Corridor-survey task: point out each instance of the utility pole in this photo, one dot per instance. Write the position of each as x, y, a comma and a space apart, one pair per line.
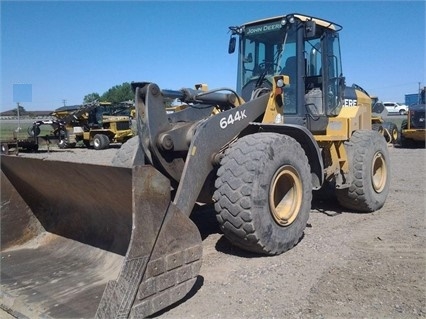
19, 119
18, 129
64, 101
420, 93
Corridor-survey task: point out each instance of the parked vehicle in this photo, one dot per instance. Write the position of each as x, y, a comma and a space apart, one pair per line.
393, 107
29, 144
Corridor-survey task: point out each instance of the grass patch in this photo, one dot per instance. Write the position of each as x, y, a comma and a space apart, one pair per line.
8, 129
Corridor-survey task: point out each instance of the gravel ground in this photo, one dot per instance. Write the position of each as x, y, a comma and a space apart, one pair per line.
346, 266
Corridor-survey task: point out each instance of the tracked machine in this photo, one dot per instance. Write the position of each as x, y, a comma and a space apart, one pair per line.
117, 241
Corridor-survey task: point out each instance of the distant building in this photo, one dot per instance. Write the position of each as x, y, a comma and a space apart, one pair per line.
11, 114
415, 98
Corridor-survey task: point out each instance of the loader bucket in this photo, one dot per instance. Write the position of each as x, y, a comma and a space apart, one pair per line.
91, 241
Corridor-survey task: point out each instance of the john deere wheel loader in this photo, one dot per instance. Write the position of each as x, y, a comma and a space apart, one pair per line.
117, 242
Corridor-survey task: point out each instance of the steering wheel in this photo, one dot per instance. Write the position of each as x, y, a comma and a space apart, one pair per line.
269, 67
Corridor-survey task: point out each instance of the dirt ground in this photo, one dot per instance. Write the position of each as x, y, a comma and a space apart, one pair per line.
347, 265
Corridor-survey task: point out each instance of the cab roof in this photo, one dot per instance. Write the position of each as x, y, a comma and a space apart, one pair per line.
324, 23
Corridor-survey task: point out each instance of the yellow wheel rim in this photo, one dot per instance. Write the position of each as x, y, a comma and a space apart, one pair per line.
379, 173
285, 196
394, 135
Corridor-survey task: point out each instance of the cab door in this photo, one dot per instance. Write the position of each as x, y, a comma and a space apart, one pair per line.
333, 79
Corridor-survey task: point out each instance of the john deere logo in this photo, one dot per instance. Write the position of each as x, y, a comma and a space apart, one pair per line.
263, 28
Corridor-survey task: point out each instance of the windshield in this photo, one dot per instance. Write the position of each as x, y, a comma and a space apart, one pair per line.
266, 50
311, 62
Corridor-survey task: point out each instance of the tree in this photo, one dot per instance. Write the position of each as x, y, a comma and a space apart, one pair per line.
118, 93
91, 97
22, 111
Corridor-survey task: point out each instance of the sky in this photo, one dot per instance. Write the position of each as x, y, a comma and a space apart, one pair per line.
64, 50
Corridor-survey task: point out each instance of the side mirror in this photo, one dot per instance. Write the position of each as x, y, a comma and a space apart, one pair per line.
231, 47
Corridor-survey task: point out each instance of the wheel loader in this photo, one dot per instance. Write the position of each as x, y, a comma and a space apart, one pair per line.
117, 241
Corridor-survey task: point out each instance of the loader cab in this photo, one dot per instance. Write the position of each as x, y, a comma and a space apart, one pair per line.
305, 49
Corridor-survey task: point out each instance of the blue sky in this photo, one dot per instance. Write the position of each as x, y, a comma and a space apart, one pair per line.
67, 49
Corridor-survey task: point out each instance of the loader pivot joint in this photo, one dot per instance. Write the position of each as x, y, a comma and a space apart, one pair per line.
155, 90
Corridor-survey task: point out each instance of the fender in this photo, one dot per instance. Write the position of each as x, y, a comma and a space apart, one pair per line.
308, 143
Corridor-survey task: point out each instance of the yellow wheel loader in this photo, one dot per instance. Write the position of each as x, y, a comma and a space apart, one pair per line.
85, 241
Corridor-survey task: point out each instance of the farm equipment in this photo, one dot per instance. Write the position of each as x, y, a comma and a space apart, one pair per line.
117, 241
389, 130
413, 128
15, 144
96, 124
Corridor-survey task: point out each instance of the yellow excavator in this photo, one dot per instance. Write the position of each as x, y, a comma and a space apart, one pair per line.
84, 241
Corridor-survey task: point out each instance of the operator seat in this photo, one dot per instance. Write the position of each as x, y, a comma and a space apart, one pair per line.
290, 69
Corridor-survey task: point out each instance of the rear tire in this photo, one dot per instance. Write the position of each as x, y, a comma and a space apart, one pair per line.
106, 141
391, 132
264, 193
62, 144
100, 142
368, 158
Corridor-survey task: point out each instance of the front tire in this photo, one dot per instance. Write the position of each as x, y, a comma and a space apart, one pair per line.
264, 193
368, 158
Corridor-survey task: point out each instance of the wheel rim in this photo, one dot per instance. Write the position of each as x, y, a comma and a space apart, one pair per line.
96, 142
379, 173
395, 134
285, 196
